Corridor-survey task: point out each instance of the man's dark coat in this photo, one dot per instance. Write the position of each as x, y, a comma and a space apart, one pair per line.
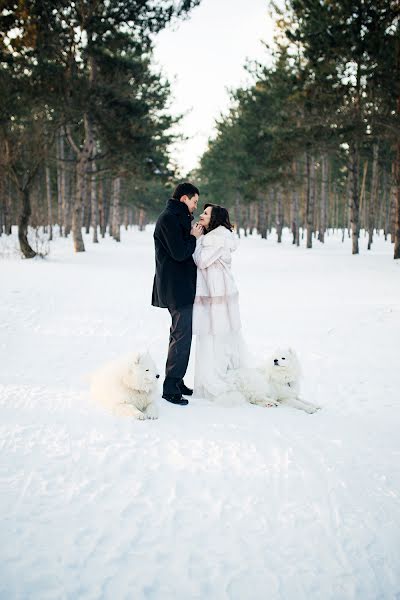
175, 278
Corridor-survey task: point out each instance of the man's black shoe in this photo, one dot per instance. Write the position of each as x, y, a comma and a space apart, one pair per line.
185, 390
175, 399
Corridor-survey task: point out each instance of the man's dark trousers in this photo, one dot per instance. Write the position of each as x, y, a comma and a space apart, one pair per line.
180, 340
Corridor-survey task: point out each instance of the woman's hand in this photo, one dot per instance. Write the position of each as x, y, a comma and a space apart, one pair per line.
197, 230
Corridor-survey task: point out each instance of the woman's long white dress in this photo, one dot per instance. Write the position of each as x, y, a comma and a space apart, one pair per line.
216, 318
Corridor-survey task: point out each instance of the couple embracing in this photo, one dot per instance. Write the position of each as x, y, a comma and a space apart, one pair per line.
194, 282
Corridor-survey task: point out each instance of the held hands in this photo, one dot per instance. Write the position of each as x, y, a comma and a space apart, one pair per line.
197, 230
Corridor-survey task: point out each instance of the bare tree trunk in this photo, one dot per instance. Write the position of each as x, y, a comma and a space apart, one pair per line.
392, 209
77, 209
83, 157
262, 217
110, 217
246, 220
142, 219
267, 219
331, 200
396, 253
258, 215
335, 224
294, 206
396, 182
116, 209
396, 170
61, 200
324, 198
23, 223
7, 218
317, 201
386, 188
355, 199
2, 200
295, 217
238, 211
33, 201
253, 217
381, 202
69, 193
363, 199
310, 198
279, 214
102, 208
49, 204
250, 218
87, 212
93, 199
373, 195
126, 217
347, 202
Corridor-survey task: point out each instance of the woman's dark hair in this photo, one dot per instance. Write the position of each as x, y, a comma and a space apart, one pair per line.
219, 216
185, 189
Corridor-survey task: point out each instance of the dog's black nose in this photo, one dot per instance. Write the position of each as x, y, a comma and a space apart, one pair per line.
275, 361
157, 376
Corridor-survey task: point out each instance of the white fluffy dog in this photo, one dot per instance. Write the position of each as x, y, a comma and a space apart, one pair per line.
282, 372
249, 384
127, 386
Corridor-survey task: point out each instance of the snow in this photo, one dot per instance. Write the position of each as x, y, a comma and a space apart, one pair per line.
208, 501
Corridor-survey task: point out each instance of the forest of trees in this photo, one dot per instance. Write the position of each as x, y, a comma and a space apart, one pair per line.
314, 143
84, 122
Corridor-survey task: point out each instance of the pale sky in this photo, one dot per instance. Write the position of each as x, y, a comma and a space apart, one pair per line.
202, 57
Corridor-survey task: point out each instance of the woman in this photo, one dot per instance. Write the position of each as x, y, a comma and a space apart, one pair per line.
216, 317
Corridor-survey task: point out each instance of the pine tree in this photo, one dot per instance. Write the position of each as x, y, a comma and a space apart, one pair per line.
86, 65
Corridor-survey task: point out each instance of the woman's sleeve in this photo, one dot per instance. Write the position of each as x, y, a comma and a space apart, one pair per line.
205, 255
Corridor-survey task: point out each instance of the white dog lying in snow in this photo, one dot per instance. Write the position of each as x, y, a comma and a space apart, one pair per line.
127, 386
277, 382
282, 371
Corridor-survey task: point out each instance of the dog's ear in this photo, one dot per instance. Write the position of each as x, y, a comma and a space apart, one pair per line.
136, 358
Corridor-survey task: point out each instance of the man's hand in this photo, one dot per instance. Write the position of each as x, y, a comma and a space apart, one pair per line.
197, 230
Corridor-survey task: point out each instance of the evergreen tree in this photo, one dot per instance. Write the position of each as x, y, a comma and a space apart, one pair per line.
91, 61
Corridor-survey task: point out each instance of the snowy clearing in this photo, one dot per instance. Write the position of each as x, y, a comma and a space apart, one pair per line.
207, 502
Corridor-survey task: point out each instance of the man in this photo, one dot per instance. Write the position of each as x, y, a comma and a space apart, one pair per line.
175, 283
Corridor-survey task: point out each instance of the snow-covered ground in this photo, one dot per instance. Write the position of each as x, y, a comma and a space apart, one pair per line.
207, 502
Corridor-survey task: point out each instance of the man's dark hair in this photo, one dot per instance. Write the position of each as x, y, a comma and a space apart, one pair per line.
185, 189
219, 216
